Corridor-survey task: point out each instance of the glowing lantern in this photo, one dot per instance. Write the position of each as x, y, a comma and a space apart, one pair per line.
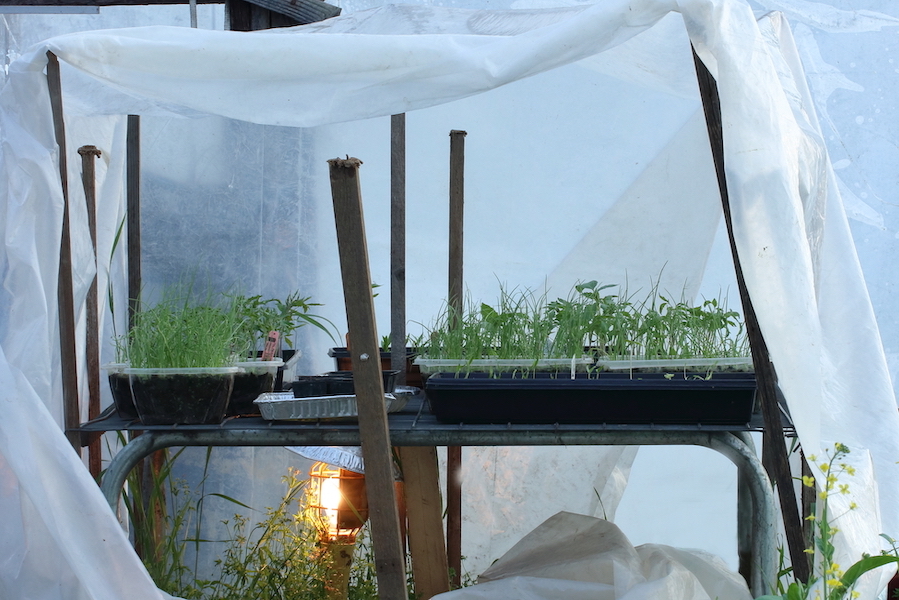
339, 496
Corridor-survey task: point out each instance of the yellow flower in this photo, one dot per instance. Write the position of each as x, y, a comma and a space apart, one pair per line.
844, 488
825, 467
822, 495
850, 470
855, 594
808, 481
812, 458
853, 506
834, 583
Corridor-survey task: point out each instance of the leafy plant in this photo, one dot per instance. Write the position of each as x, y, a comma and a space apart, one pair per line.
274, 314
829, 581
279, 557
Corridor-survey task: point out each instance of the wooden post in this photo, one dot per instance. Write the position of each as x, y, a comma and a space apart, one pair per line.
424, 508
456, 212
398, 246
65, 296
132, 201
373, 431
454, 298
766, 377
92, 355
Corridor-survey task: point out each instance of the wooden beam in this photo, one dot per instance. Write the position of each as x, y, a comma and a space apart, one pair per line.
65, 297
430, 571
89, 155
766, 377
373, 431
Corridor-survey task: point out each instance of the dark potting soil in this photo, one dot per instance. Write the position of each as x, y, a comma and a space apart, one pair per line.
182, 399
247, 387
120, 386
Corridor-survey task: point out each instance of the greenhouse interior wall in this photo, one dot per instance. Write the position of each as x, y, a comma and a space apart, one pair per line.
248, 207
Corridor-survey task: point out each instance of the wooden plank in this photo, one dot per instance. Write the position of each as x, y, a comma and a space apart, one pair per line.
373, 431
766, 377
423, 507
89, 155
64, 289
132, 207
454, 300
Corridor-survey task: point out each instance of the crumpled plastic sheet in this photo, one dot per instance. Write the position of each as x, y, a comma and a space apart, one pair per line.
577, 557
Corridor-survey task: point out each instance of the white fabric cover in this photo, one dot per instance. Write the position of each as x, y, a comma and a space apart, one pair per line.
791, 231
580, 557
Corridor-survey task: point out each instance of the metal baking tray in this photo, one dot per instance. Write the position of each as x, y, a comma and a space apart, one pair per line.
282, 406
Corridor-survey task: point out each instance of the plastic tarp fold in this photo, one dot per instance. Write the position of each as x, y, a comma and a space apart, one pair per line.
791, 231
576, 556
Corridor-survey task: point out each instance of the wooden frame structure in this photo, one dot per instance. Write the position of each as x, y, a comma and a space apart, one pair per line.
375, 437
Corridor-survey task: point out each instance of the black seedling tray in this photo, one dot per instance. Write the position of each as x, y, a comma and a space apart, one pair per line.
336, 383
615, 398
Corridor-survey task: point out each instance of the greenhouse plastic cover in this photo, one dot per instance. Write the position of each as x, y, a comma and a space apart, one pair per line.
580, 557
791, 230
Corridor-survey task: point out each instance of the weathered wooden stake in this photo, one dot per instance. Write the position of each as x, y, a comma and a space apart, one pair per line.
398, 246
454, 298
89, 155
65, 296
765, 375
424, 508
132, 208
373, 431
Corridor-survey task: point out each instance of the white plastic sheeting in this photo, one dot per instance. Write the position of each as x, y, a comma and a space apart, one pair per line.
580, 557
791, 229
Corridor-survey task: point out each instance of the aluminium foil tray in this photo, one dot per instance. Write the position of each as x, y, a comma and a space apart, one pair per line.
282, 406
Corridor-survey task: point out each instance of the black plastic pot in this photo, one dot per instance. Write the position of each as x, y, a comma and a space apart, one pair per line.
253, 378
344, 362
120, 386
336, 383
723, 399
165, 397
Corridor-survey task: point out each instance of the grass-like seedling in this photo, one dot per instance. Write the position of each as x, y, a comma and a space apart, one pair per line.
603, 321
183, 331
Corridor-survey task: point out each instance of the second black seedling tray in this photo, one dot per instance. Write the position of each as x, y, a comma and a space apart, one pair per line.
616, 398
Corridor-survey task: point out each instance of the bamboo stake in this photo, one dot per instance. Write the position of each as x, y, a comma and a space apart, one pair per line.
92, 354
373, 431
766, 377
